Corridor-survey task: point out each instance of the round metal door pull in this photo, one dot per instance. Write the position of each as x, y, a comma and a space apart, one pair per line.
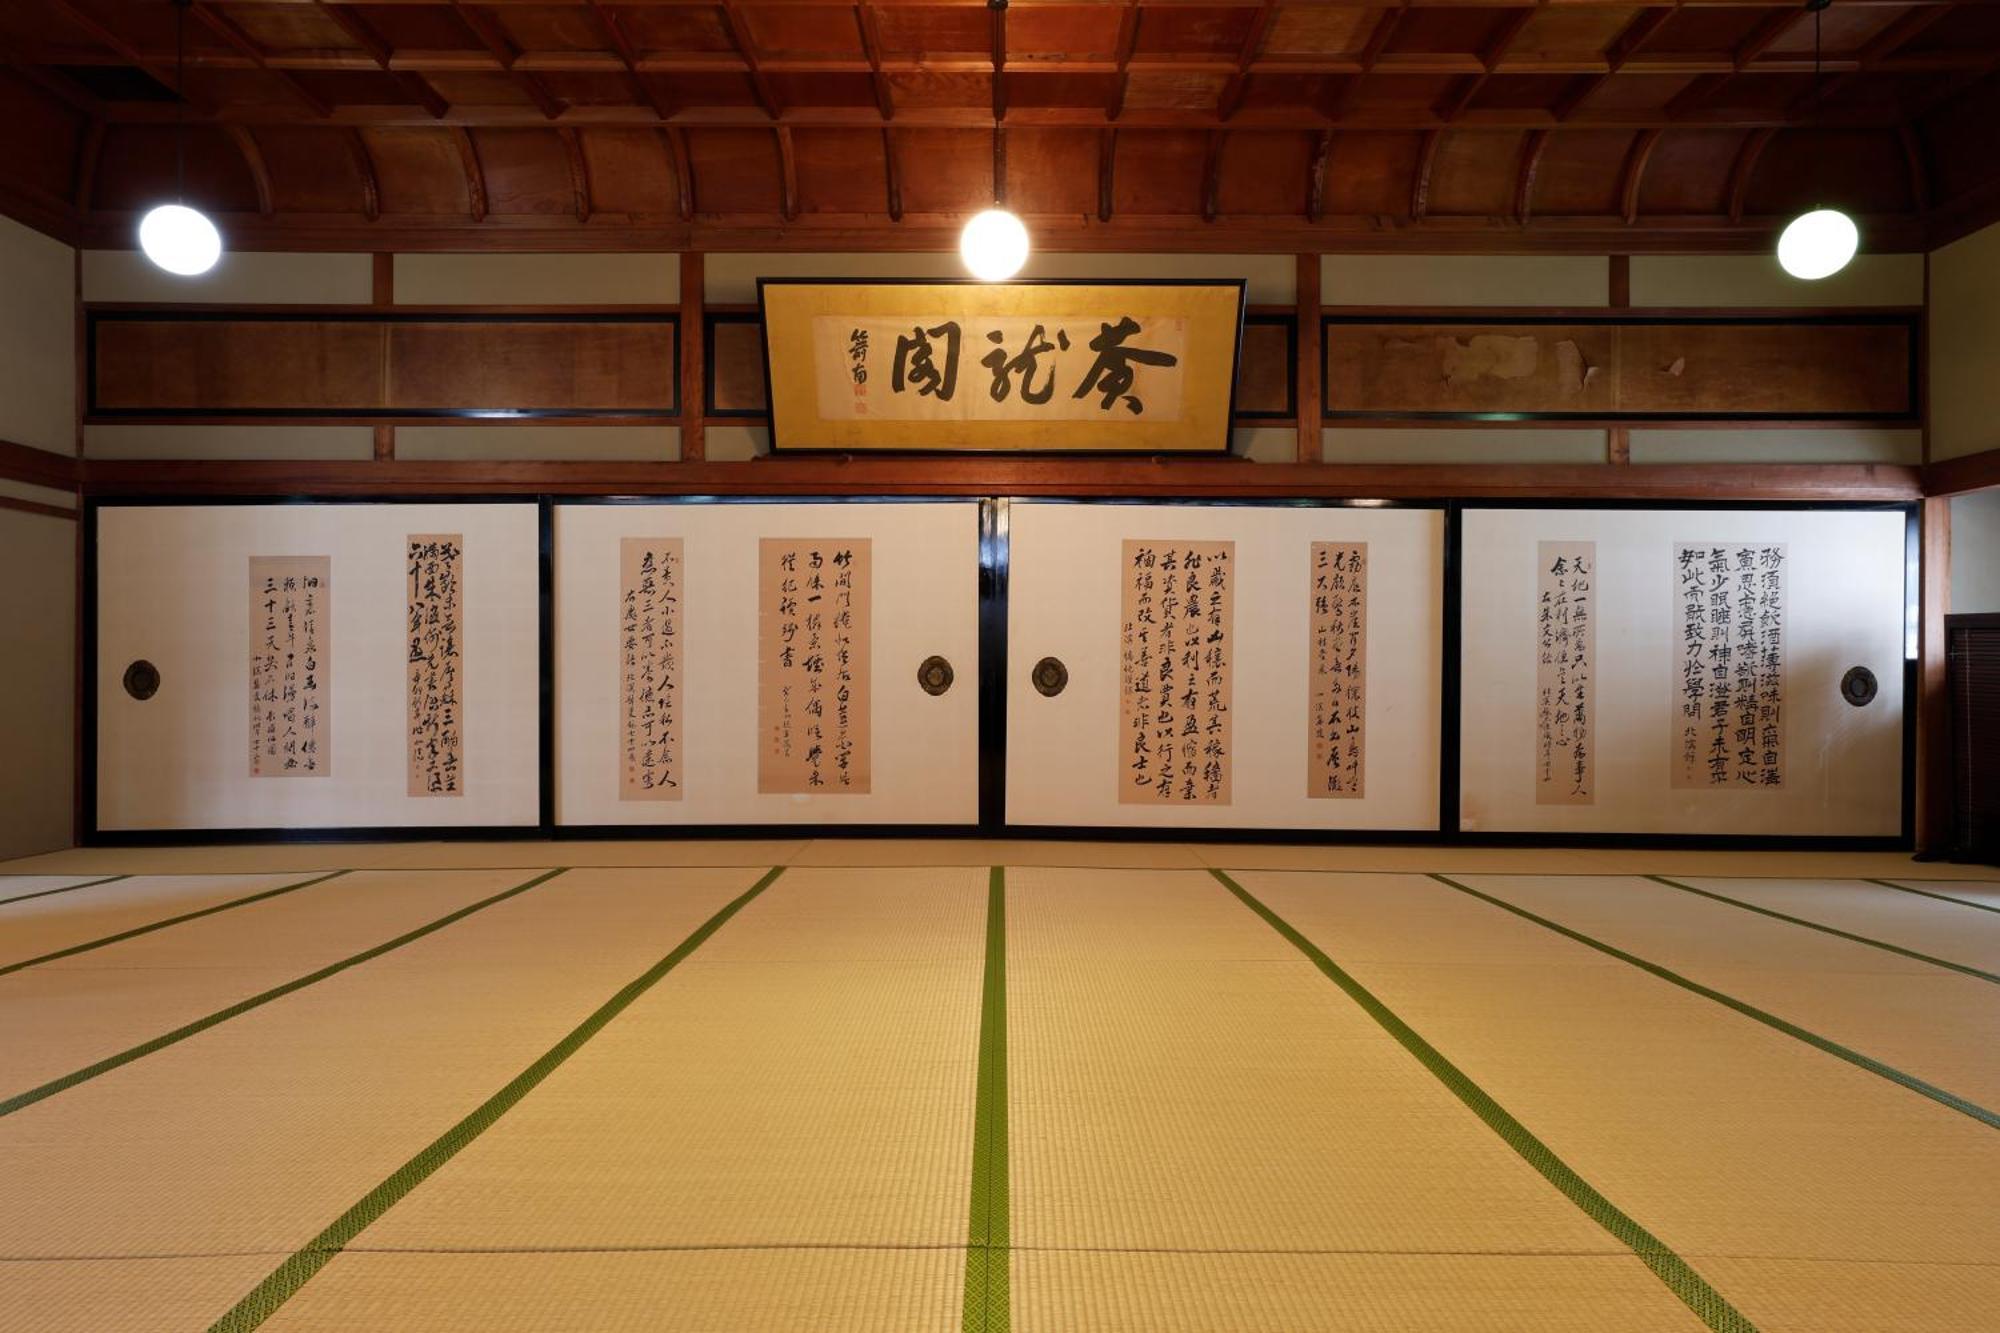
934, 675
142, 680
1050, 677
1858, 686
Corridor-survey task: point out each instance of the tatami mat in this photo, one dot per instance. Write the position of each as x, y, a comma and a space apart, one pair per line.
69, 1012
1724, 1136
1912, 921
803, 1082
144, 1294
1983, 892
717, 1291
63, 920
1860, 1297
254, 1134
1065, 1291
1942, 1026
1183, 1080
13, 888
503, 855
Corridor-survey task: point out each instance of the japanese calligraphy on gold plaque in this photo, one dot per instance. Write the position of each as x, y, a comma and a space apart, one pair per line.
291, 637
436, 569
1565, 673
813, 676
1176, 653
1138, 368
652, 577
1729, 674
1337, 667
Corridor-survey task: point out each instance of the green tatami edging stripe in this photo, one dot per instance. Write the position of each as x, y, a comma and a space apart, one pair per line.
1828, 930
1708, 1304
264, 1299
12, 1104
1941, 897
987, 1308
67, 888
1951, 1099
152, 926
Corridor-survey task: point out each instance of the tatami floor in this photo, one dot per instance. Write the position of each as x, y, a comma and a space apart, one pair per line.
954, 1085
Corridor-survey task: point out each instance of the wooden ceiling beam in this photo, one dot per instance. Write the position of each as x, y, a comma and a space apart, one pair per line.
1634, 174
871, 48
220, 24
892, 174
628, 56
1253, 46
788, 175
383, 55
1322, 156
1107, 172
1456, 101
1420, 179
579, 172
683, 173
739, 37
1128, 38
364, 167
253, 161
84, 182
1532, 149
1644, 26
997, 9
475, 173
1211, 175
163, 74
504, 51
1744, 167
1379, 37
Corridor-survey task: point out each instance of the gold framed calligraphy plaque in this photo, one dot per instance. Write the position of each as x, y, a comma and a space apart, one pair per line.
974, 367
814, 608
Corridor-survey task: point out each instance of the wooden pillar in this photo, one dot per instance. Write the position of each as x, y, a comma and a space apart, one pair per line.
1933, 703
1307, 372
694, 398
1618, 439
384, 294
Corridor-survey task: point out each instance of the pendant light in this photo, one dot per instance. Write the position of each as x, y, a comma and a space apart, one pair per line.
1819, 243
180, 239
994, 244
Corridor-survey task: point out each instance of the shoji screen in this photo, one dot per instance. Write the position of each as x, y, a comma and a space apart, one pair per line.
1320, 599
682, 698
359, 721
1714, 647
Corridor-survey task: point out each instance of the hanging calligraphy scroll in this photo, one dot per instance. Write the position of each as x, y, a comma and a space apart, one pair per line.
1177, 601
1565, 673
813, 678
291, 635
1108, 367
651, 604
1729, 678
1338, 670
436, 568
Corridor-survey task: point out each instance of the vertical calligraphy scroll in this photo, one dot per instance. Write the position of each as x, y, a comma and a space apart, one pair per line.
1175, 672
291, 637
1729, 680
1337, 667
652, 575
435, 564
1566, 673
813, 678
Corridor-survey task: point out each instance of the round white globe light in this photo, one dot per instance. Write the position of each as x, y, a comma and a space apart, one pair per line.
180, 240
1818, 244
994, 245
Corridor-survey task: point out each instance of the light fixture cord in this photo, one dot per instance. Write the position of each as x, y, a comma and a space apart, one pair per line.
180, 100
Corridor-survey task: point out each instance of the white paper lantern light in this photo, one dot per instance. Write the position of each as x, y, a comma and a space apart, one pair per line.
994, 245
1818, 244
180, 240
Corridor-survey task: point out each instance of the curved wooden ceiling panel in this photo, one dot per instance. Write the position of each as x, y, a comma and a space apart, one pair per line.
1598, 124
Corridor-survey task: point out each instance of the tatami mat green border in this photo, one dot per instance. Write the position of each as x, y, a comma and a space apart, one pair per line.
1941, 897
263, 1300
12, 1104
152, 926
1963, 1105
67, 888
987, 1305
1708, 1304
1825, 929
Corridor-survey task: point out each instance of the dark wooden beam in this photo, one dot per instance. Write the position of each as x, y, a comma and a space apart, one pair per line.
1634, 174
1933, 703
871, 49
1231, 97
382, 54
1128, 37
1107, 173
739, 37
1744, 168
693, 340
225, 27
37, 467
997, 9
788, 176
579, 171
1969, 472
475, 174
1309, 369
1640, 30
1211, 176
163, 73
496, 41
1420, 180
892, 173
683, 173
87, 154
253, 161
1530, 163
1007, 475
1316, 176
364, 166
642, 88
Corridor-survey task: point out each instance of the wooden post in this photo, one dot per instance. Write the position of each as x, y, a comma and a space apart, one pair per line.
1618, 439
1933, 703
1308, 373
694, 398
384, 295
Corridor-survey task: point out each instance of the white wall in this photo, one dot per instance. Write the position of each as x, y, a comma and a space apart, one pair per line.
1975, 552
37, 551
1965, 346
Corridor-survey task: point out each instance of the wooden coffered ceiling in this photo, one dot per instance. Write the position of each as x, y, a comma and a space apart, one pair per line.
1259, 124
